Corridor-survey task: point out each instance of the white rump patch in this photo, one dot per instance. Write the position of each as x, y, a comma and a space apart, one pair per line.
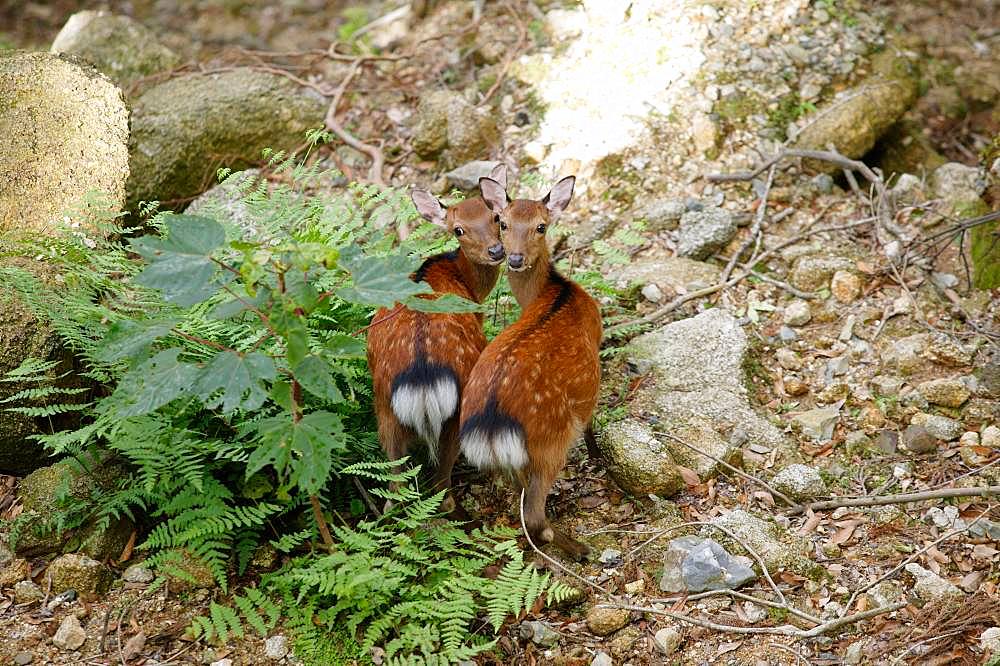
504, 449
425, 408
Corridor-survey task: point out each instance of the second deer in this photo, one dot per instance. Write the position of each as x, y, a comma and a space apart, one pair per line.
420, 361
535, 386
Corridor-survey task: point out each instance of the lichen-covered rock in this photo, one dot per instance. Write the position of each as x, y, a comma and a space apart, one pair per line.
704, 232
673, 273
638, 461
179, 124
65, 135
800, 482
26, 592
13, 571
818, 424
797, 313
946, 392
959, 187
779, 548
604, 621
79, 572
663, 214
916, 439
466, 177
929, 586
116, 45
941, 427
450, 128
857, 117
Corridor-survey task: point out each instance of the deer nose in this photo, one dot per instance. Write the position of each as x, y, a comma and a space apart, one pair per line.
495, 252
515, 260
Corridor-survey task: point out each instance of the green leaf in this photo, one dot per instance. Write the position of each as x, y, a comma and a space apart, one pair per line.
342, 345
443, 303
301, 452
180, 264
129, 339
301, 291
313, 373
379, 281
297, 339
154, 383
240, 378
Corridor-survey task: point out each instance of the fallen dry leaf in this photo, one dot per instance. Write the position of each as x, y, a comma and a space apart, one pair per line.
689, 475
846, 531
134, 646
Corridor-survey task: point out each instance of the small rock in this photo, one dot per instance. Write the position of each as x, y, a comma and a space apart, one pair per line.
538, 633
15, 570
778, 547
818, 424
702, 233
276, 647
466, 177
969, 439
70, 635
80, 573
908, 190
695, 564
602, 659
138, 573
854, 653
788, 359
222, 662
800, 482
847, 331
652, 293
989, 640
946, 392
917, 439
886, 385
449, 126
845, 286
663, 214
610, 556
795, 386
905, 354
946, 517
941, 427
636, 586
26, 592
814, 271
667, 640
797, 313
973, 456
823, 183
929, 586
23, 658
604, 621
786, 334
990, 436
887, 441
942, 349
886, 593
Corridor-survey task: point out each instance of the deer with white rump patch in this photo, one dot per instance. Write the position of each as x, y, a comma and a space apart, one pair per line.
420, 361
535, 386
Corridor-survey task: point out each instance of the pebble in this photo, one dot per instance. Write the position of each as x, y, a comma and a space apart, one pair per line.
276, 647
887, 441
798, 313
929, 586
610, 556
652, 293
539, 633
800, 482
989, 640
70, 635
604, 621
667, 640
886, 385
854, 653
26, 592
602, 659
636, 586
969, 439
990, 436
786, 334
818, 424
795, 386
788, 359
222, 662
23, 658
138, 573
917, 439
845, 286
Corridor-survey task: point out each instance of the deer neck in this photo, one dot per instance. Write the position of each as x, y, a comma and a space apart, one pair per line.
526, 285
479, 278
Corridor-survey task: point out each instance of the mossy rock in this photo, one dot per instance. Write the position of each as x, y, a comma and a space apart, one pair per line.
183, 130
906, 149
985, 252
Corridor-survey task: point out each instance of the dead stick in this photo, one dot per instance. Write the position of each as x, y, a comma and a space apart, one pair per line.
882, 500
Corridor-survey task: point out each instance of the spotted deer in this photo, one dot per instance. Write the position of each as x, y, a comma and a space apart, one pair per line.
420, 361
534, 388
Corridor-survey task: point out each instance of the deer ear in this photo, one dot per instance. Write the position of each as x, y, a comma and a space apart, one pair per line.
429, 207
558, 198
493, 194
499, 174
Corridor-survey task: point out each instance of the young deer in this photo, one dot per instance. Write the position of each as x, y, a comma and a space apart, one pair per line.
420, 361
534, 388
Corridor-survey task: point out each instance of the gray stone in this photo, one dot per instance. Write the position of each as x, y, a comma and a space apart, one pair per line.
695, 564
116, 45
466, 177
800, 482
786, 334
886, 385
23, 658
907, 190
276, 647
814, 271
601, 659
798, 313
65, 130
610, 556
222, 662
818, 424
652, 293
990, 437
70, 635
225, 203
989, 640
778, 547
640, 463
667, 640
788, 359
957, 184
604, 621
929, 586
916, 439
905, 355
854, 653
703, 233
80, 573
447, 126
138, 573
236, 114
823, 182
941, 427
886, 593
538, 633
946, 392
663, 214
26, 592
672, 273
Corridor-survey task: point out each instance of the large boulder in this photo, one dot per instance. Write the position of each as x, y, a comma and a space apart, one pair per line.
695, 392
118, 46
183, 130
65, 135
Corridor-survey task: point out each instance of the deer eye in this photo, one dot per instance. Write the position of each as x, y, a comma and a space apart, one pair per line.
540, 228
459, 232
503, 226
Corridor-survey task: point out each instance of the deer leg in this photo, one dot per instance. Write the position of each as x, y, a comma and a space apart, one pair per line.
591, 440
448, 448
539, 528
395, 439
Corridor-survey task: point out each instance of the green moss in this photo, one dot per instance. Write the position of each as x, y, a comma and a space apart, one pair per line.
789, 109
985, 251
623, 183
